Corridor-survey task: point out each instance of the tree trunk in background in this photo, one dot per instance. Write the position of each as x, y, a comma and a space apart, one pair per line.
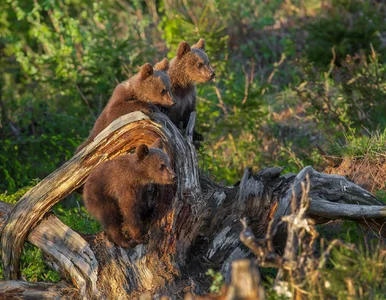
198, 227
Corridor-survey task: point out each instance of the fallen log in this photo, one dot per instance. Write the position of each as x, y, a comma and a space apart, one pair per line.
199, 228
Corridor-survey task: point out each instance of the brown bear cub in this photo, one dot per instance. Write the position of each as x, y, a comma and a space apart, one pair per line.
113, 192
190, 66
140, 92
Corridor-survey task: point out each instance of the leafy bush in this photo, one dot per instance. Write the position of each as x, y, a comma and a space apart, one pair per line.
345, 99
61, 64
363, 86
32, 156
77, 218
33, 267
361, 272
348, 26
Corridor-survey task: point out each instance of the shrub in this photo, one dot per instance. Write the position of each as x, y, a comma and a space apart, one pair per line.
350, 26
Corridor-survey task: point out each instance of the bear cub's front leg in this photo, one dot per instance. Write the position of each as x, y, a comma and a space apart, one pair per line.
132, 222
113, 192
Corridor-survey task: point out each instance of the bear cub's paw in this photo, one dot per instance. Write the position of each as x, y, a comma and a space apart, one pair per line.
143, 239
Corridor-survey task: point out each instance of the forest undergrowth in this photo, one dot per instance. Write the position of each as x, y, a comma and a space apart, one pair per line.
297, 83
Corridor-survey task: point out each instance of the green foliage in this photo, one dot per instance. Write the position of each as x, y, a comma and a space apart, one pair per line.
236, 133
347, 103
381, 195
364, 89
239, 98
218, 281
13, 198
77, 218
32, 156
362, 272
61, 62
32, 266
348, 26
350, 271
371, 146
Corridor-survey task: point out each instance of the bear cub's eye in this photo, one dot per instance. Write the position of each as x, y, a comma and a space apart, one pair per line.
162, 167
163, 92
200, 65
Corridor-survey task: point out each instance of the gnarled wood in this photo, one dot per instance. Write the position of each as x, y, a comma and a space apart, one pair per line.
199, 227
39, 290
66, 252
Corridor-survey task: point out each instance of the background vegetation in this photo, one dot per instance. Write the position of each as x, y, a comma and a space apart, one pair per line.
290, 75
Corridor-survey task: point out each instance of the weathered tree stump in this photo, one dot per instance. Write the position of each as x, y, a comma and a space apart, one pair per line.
199, 228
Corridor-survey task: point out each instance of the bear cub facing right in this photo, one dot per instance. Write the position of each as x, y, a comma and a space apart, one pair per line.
113, 192
139, 93
191, 66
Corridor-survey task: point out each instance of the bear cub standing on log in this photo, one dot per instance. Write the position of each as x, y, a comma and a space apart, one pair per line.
140, 92
190, 66
113, 192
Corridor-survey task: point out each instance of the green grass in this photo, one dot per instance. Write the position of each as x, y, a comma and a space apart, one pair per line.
359, 273
33, 267
12, 198
372, 146
77, 218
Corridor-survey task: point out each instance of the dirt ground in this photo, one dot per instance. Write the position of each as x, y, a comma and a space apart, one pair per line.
368, 173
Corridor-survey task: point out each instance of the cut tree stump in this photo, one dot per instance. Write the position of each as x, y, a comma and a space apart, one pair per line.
199, 228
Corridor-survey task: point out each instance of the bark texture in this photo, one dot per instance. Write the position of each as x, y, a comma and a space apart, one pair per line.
198, 229
25, 290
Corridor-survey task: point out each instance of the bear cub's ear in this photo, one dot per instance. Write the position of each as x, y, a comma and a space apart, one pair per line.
142, 151
163, 65
157, 144
146, 71
200, 44
182, 49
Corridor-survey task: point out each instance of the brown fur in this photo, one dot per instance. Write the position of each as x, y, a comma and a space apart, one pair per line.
113, 192
190, 66
163, 65
140, 92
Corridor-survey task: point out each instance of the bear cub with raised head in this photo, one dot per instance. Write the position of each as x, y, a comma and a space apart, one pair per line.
141, 92
190, 67
113, 192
